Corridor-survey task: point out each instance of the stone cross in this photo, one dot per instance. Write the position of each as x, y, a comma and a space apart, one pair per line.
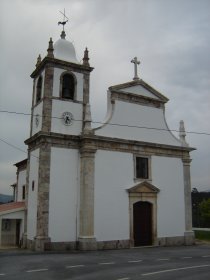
136, 62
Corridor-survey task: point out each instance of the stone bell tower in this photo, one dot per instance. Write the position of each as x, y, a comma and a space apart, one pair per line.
60, 114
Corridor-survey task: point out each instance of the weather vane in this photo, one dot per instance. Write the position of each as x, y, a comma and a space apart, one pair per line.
65, 19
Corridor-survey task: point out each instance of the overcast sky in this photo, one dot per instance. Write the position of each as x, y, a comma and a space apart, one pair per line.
171, 39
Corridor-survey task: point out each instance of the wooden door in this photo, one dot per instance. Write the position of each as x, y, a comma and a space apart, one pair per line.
17, 232
142, 223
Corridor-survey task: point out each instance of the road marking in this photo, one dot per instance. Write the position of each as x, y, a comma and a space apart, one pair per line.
107, 263
175, 269
135, 261
208, 256
162, 259
186, 258
73, 266
37, 270
2, 274
123, 279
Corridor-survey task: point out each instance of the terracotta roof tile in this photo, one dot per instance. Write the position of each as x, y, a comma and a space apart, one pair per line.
11, 206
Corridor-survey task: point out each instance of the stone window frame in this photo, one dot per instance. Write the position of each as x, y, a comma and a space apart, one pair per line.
136, 179
39, 86
61, 86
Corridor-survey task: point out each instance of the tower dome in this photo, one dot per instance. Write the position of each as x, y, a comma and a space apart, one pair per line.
64, 50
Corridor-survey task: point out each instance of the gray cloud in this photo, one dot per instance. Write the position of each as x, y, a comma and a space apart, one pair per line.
171, 38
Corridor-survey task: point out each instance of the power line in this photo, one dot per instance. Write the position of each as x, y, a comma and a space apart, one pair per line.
15, 147
114, 124
152, 128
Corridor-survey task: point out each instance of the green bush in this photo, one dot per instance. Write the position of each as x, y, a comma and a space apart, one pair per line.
204, 208
202, 235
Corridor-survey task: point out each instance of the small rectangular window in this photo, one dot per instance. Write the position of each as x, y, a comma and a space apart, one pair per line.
32, 186
23, 192
142, 168
6, 225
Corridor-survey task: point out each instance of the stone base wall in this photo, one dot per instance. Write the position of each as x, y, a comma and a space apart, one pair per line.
112, 244
61, 246
30, 244
176, 240
72, 246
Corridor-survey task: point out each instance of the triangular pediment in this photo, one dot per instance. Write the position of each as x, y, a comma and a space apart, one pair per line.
143, 187
139, 88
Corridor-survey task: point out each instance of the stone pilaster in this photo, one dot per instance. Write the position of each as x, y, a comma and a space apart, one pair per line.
86, 88
24, 237
189, 234
43, 198
47, 101
32, 110
86, 95
86, 231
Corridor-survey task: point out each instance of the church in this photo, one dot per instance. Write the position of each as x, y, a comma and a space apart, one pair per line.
123, 184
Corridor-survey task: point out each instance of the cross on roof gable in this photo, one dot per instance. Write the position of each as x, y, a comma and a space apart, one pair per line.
140, 88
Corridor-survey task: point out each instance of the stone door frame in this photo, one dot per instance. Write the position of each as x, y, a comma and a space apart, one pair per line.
144, 192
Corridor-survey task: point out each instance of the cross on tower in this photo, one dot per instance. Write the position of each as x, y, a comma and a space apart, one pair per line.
136, 62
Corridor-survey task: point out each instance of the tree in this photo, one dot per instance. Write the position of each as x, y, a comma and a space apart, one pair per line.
204, 208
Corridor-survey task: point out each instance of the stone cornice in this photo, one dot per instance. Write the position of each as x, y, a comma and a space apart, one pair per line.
142, 83
95, 142
21, 164
53, 139
186, 161
137, 99
53, 62
136, 147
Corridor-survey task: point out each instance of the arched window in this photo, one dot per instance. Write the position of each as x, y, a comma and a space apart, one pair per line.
68, 86
39, 89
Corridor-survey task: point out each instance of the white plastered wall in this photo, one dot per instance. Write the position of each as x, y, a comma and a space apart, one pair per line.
143, 117
139, 90
37, 111
21, 182
167, 175
32, 195
113, 175
64, 192
58, 108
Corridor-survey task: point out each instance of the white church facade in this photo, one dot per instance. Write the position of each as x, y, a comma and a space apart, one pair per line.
123, 184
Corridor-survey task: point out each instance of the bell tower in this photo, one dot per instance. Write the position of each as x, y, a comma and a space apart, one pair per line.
60, 114
61, 90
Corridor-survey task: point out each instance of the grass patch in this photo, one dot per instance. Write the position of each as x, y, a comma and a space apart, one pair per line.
202, 235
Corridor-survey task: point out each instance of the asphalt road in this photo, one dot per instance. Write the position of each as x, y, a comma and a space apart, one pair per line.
153, 263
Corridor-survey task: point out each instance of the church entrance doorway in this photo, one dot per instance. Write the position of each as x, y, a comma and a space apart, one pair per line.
142, 223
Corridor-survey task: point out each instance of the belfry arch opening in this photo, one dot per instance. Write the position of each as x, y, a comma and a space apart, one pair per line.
68, 86
39, 89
